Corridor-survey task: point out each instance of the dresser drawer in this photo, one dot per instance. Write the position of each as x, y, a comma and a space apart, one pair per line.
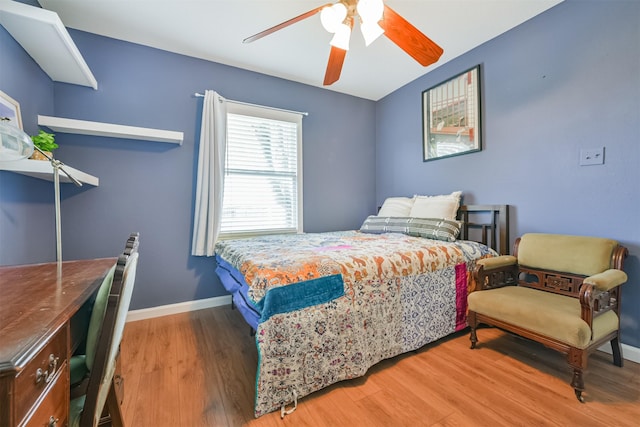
52, 410
39, 374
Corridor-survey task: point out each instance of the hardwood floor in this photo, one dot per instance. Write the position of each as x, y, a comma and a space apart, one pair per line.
198, 369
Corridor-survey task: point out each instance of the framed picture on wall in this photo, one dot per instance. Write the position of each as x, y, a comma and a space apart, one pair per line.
10, 111
451, 122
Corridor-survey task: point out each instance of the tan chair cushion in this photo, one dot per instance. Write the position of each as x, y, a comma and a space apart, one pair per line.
552, 315
571, 254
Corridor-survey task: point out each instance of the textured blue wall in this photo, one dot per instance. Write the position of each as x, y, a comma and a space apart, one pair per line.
148, 186
566, 80
27, 226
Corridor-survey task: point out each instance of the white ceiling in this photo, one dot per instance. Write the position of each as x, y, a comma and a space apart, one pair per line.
214, 30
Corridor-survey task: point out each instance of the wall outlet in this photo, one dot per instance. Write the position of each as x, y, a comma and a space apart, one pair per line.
591, 156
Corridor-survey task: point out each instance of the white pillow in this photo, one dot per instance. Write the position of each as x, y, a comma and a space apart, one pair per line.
444, 206
396, 206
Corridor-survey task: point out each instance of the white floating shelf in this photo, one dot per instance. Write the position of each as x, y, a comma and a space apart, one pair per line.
42, 35
83, 127
42, 169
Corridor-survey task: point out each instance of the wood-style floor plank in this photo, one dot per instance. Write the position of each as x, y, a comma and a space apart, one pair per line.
198, 369
137, 333
194, 391
159, 378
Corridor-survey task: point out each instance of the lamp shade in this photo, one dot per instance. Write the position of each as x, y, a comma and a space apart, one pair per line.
14, 143
332, 16
341, 37
370, 10
371, 31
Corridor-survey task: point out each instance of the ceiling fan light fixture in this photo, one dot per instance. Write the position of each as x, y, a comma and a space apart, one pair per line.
332, 16
370, 10
370, 31
341, 37
376, 18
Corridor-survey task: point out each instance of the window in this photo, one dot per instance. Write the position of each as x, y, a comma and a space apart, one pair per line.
263, 172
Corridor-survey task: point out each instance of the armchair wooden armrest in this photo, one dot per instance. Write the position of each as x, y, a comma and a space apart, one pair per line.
600, 293
491, 273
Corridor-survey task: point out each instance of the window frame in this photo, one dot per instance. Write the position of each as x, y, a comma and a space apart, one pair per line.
279, 115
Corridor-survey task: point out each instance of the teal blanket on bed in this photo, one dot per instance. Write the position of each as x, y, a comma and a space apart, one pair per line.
293, 297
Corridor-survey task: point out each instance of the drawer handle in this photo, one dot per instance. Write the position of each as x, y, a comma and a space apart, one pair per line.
47, 375
53, 422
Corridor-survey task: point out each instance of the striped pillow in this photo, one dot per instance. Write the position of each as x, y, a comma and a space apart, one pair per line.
431, 228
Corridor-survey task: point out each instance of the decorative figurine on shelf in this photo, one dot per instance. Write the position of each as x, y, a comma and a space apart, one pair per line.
45, 142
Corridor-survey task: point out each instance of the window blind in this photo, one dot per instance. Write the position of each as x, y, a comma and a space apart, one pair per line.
263, 182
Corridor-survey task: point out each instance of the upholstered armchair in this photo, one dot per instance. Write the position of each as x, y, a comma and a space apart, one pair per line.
562, 291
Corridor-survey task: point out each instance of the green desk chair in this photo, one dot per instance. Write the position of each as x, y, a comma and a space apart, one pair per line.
92, 374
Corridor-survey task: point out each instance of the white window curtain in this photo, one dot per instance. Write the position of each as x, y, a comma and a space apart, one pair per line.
210, 180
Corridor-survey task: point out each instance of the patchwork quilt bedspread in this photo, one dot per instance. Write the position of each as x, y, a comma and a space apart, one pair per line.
327, 306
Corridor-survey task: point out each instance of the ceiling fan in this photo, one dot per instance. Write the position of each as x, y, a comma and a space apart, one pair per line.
376, 18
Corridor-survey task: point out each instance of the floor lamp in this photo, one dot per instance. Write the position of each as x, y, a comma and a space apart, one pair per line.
16, 145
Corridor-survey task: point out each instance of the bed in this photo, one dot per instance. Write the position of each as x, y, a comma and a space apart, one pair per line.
327, 306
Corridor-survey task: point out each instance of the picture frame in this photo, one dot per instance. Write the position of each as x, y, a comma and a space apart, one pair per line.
10, 111
451, 117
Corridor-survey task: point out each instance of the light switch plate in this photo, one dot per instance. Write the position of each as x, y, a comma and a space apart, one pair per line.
591, 156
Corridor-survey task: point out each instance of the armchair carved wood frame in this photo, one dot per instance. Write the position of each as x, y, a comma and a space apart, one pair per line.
561, 291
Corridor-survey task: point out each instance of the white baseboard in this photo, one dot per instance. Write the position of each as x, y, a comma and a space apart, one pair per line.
182, 307
628, 352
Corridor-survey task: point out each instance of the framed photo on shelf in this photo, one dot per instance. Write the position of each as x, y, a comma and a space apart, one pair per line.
10, 111
451, 122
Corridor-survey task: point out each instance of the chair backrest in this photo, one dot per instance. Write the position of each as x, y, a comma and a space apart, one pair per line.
97, 318
572, 254
103, 359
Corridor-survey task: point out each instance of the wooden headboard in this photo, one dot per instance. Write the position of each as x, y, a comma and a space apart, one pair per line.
489, 222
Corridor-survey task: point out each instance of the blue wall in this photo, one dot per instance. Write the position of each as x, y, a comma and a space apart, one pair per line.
566, 80
149, 186
27, 225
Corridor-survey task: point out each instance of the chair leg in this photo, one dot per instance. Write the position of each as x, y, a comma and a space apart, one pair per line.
473, 323
577, 383
473, 337
114, 407
578, 361
616, 349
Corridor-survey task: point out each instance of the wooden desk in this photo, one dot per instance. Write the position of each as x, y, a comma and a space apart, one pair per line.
37, 303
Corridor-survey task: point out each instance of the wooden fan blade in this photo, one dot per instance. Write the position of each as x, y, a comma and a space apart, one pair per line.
409, 38
334, 66
284, 24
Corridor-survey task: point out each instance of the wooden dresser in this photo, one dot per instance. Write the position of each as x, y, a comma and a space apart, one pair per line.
37, 307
